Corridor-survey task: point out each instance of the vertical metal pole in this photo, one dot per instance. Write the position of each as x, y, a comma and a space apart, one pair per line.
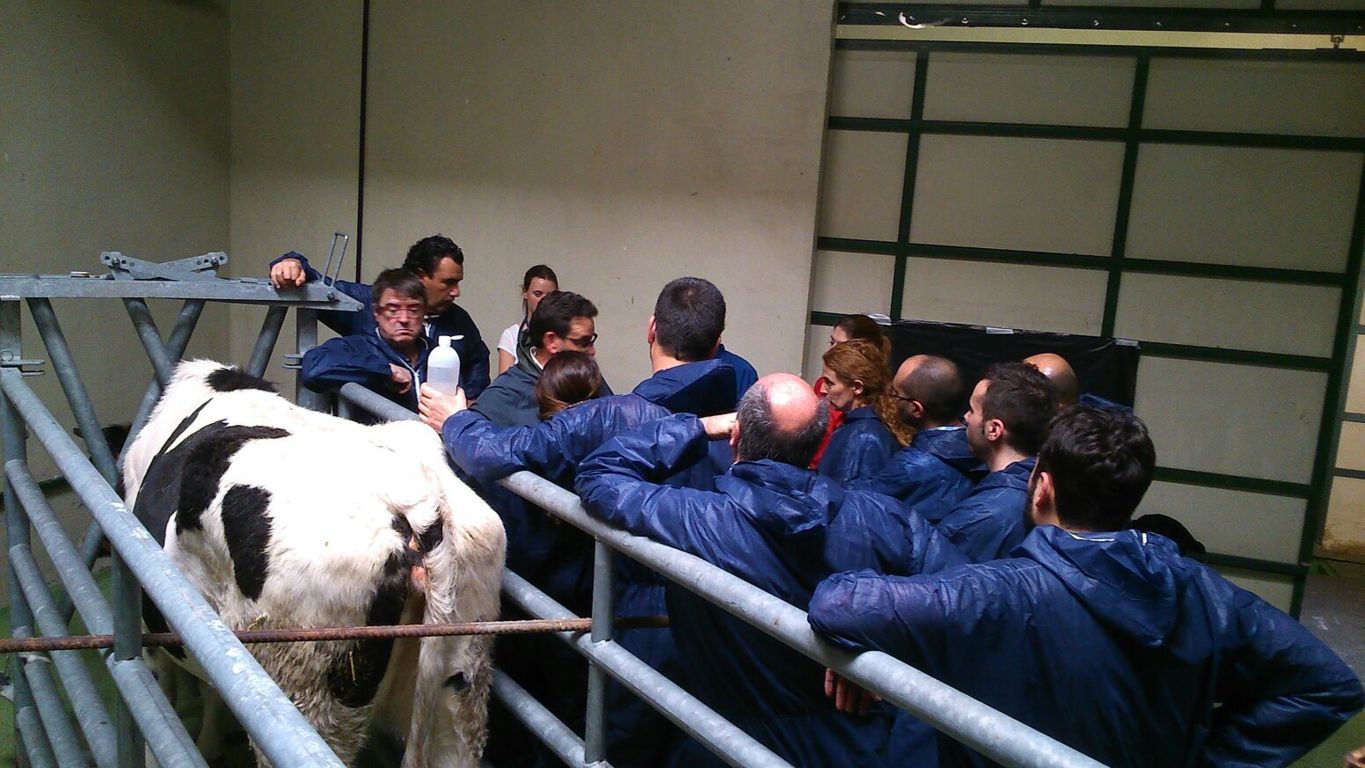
127, 605
16, 523
265, 340
307, 334
595, 730
76, 395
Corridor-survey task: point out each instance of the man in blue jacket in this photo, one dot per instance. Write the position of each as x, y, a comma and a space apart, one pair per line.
391, 358
934, 472
562, 321
1007, 419
780, 527
1103, 638
436, 261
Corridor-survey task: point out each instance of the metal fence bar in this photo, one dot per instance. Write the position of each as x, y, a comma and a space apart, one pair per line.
306, 334
76, 395
162, 363
31, 736
66, 745
165, 735
691, 715
90, 711
559, 737
16, 531
127, 604
279, 730
75, 576
595, 728
266, 339
376, 404
994, 734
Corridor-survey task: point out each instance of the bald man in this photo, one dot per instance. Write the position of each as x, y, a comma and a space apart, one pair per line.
782, 528
937, 469
1063, 378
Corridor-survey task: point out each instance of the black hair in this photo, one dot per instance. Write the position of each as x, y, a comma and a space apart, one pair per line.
761, 438
541, 271
937, 384
1101, 463
555, 313
1022, 397
689, 317
400, 281
426, 254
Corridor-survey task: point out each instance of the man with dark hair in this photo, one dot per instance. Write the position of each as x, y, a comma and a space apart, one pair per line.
683, 333
1103, 638
391, 359
439, 264
934, 472
779, 526
1007, 419
562, 321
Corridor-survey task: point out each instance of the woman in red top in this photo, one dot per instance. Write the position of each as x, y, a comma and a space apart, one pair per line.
850, 328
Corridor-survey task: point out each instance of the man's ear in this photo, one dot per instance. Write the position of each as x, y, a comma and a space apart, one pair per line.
734, 440
551, 343
1042, 505
994, 429
916, 410
650, 334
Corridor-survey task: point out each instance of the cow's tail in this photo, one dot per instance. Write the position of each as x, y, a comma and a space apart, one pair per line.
464, 576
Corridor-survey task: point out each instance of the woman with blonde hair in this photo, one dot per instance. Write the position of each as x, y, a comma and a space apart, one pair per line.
858, 384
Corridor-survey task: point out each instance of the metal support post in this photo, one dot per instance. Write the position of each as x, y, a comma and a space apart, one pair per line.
595, 730
127, 605
265, 340
145, 324
76, 395
307, 334
16, 524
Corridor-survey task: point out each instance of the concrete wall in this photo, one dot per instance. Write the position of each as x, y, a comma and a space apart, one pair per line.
114, 137
623, 144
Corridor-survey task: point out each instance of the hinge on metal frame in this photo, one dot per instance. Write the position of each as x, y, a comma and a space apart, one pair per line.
27, 366
292, 361
202, 267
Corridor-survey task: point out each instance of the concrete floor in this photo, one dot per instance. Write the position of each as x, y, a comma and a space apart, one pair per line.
1334, 611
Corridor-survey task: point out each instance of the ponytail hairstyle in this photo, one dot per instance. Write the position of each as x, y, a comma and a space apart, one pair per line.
864, 361
569, 377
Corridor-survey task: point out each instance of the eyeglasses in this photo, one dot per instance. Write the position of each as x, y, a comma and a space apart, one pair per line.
582, 342
407, 310
899, 396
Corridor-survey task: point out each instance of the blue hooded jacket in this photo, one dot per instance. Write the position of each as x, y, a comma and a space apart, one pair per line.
745, 375
991, 521
453, 322
930, 474
858, 449
1111, 643
781, 528
362, 359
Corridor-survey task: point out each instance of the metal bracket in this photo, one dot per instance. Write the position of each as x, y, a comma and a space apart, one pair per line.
202, 267
292, 361
27, 366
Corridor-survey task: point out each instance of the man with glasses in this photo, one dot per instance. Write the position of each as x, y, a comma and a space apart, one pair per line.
562, 321
390, 359
438, 263
936, 470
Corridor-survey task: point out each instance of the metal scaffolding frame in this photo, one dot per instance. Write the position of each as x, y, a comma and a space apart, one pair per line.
46, 734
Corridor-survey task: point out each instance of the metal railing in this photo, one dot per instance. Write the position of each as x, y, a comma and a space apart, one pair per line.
82, 730
988, 731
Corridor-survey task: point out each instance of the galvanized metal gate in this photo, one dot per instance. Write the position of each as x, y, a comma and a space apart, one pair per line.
46, 732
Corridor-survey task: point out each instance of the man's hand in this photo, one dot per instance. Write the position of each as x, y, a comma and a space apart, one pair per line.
718, 427
400, 378
848, 697
435, 408
288, 273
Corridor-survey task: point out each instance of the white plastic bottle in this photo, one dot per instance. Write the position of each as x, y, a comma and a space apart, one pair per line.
443, 367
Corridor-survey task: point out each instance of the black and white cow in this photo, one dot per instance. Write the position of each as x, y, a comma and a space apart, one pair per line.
284, 518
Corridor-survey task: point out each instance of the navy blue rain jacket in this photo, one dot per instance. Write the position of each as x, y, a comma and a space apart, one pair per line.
781, 528
929, 475
993, 519
362, 359
453, 322
858, 449
745, 375
1111, 643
